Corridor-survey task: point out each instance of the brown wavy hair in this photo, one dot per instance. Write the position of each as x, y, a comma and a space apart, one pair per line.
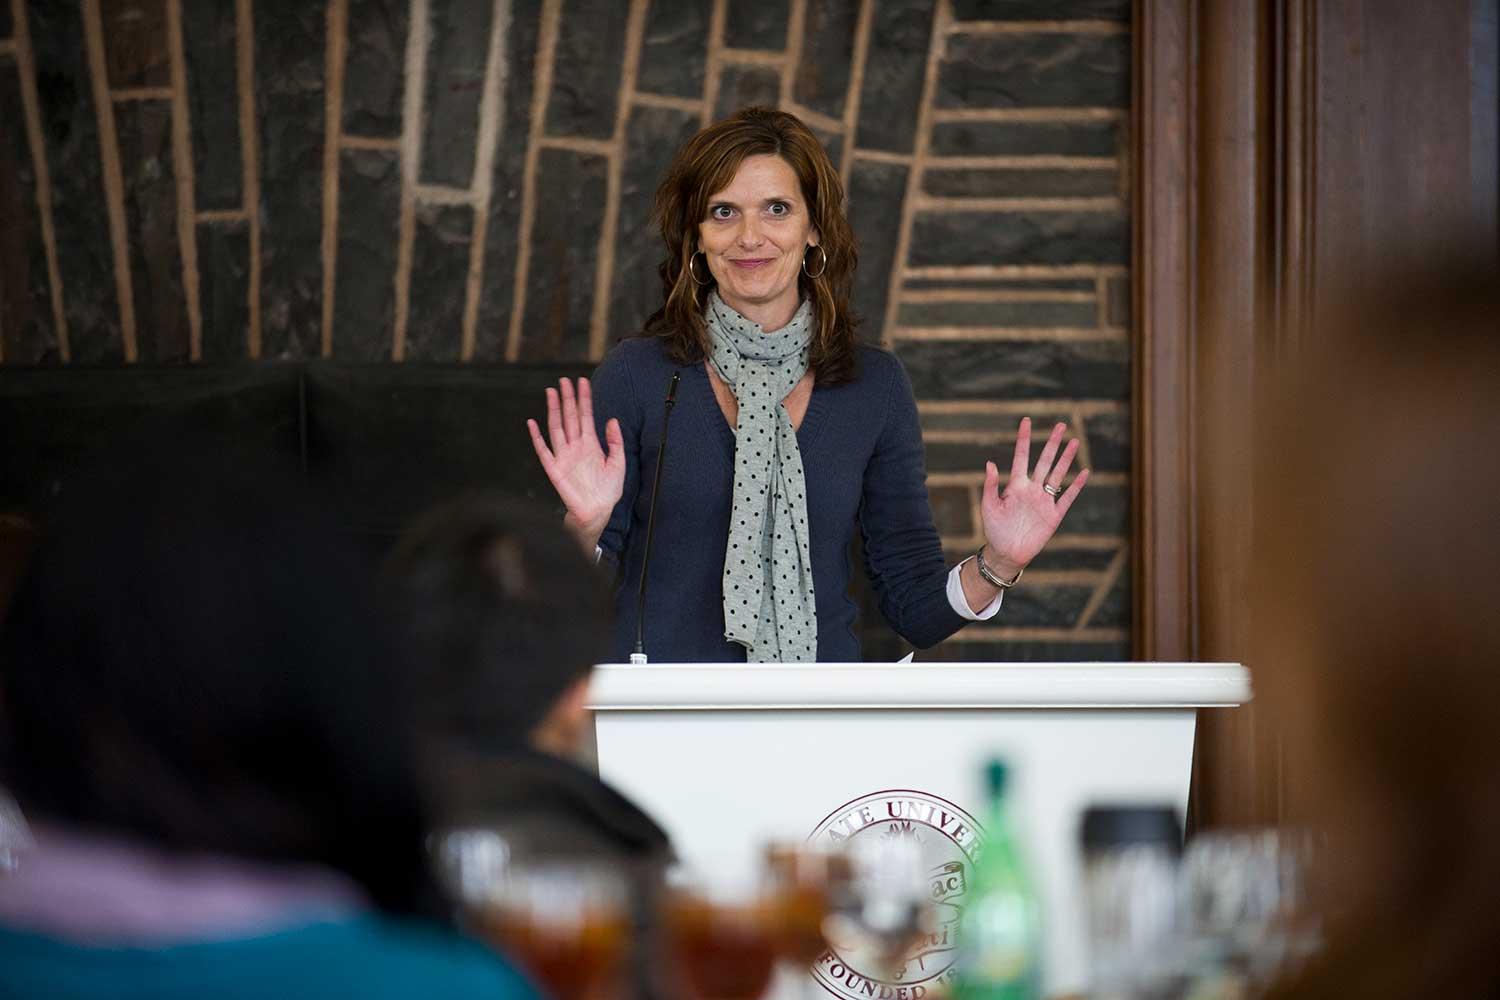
707, 163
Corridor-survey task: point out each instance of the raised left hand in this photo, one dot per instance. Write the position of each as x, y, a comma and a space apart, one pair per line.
1020, 521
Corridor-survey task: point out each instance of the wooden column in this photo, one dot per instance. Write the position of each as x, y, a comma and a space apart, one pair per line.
1283, 151
1205, 225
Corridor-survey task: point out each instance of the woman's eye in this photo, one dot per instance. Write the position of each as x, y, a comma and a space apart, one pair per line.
779, 208
720, 212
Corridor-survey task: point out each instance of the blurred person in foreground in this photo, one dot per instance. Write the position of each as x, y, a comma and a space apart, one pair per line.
1379, 641
199, 718
502, 620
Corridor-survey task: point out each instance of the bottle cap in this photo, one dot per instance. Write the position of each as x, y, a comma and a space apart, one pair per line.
996, 773
1106, 827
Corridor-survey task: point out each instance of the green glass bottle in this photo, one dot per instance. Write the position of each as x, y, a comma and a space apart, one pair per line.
1000, 932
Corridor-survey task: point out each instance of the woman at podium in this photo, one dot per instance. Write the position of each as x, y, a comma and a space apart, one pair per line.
782, 434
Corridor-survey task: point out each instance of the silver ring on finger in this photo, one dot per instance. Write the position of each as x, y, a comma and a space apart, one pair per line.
1053, 491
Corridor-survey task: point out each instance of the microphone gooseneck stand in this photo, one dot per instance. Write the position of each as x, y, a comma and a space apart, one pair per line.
638, 656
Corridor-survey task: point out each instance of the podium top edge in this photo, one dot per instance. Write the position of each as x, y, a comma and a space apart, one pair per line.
704, 686
929, 666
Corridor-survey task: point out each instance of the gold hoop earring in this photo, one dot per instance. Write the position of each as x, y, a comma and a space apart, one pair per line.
818, 247
694, 274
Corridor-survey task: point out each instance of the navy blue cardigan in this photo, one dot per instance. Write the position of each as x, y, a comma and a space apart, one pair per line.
863, 459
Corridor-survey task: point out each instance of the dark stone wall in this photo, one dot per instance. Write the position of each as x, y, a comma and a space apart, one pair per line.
394, 181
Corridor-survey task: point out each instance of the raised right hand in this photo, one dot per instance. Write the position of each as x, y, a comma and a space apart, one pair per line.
588, 481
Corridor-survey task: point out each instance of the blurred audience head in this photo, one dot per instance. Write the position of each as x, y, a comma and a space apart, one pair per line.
501, 618
191, 661
1379, 640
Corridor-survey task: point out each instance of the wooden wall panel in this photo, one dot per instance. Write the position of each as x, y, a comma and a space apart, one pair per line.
1284, 151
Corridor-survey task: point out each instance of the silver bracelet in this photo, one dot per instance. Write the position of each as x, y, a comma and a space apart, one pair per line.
989, 574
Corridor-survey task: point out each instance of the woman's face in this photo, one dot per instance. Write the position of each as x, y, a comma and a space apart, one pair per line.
754, 236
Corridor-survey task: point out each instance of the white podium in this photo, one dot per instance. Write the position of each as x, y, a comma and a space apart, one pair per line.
727, 757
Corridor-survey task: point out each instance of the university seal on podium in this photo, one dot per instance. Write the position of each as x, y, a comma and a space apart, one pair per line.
947, 839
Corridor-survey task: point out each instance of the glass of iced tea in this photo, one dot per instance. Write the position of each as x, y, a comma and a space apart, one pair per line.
567, 925
566, 922
804, 886
721, 935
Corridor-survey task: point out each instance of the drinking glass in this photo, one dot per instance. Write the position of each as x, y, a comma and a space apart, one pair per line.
566, 922
1245, 906
804, 886
722, 934
887, 910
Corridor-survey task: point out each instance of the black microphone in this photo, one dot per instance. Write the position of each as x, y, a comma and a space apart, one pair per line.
639, 655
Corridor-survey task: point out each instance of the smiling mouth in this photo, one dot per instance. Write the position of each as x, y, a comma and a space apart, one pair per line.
749, 263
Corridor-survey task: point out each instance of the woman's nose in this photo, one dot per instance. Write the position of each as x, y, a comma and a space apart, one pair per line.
749, 233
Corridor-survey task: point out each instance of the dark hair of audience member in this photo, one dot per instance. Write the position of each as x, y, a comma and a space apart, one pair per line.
1379, 641
192, 661
500, 614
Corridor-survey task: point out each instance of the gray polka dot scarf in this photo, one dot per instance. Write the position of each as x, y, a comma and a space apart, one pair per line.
768, 584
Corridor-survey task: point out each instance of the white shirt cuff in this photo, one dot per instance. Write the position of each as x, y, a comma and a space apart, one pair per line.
961, 603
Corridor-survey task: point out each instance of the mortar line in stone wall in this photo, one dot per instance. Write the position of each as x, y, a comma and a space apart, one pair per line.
1023, 163
125, 95
114, 180
575, 144
974, 497
712, 64
691, 105
942, 15
182, 168
1090, 578
491, 111
941, 295
541, 88
813, 119
1003, 433
994, 407
796, 29
31, 112
244, 37
1078, 426
932, 204
1080, 27
983, 272
1087, 542
372, 142
604, 270
1106, 584
1058, 115
411, 163
979, 633
977, 476
333, 116
220, 215
442, 194
1072, 543
752, 57
882, 156
862, 25
1069, 334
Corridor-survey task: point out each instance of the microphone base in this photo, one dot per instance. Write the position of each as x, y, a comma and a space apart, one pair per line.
638, 659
